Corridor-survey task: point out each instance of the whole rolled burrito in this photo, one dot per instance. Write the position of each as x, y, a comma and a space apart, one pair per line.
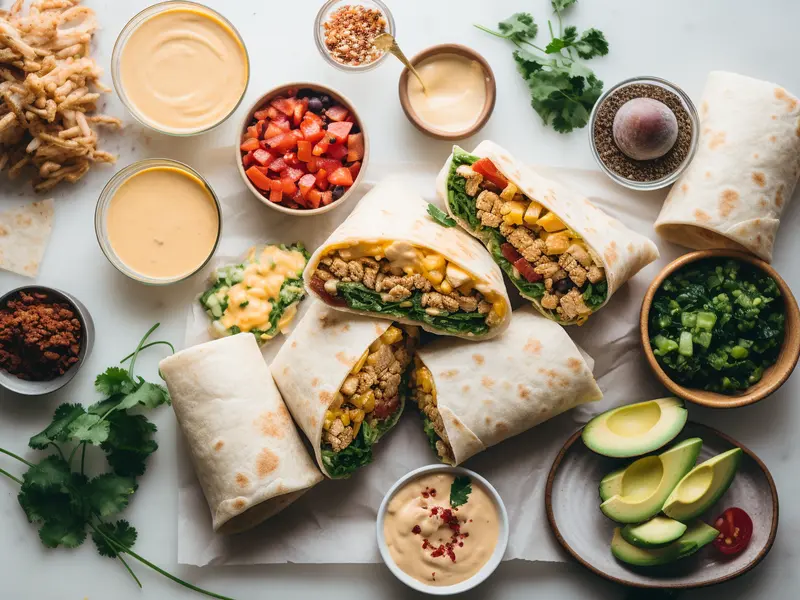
343, 377
473, 396
559, 250
745, 170
246, 451
390, 259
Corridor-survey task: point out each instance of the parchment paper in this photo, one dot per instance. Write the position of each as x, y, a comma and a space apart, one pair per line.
335, 522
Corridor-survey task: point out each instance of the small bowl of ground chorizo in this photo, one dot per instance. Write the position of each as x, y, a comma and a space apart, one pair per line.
442, 530
45, 337
459, 93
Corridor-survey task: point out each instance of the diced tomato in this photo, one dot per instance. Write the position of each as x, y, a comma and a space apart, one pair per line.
289, 187
248, 160
262, 114
312, 129
307, 182
327, 198
298, 135
337, 151
258, 179
272, 130
285, 105
276, 191
486, 167
321, 147
313, 164
262, 157
385, 408
355, 147
304, 151
337, 112
341, 176
313, 117
291, 159
298, 199
329, 164
278, 165
322, 179
260, 126
355, 169
314, 198
526, 270
318, 287
510, 253
340, 131
293, 173
251, 132
282, 121
300, 108
283, 143
249, 145
735, 530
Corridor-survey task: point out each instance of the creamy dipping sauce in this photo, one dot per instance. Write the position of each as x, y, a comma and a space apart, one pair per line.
162, 223
184, 70
456, 92
435, 543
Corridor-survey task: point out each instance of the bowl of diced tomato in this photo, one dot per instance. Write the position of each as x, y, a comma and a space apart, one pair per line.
301, 149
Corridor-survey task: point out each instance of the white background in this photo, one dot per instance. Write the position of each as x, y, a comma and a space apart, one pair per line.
680, 40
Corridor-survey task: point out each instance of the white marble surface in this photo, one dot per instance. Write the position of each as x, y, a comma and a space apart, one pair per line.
680, 40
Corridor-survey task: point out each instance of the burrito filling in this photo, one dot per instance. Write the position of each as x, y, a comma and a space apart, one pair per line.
423, 392
401, 280
260, 295
369, 402
544, 259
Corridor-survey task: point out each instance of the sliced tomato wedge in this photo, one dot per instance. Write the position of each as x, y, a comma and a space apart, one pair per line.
276, 191
321, 147
293, 173
272, 130
278, 165
486, 167
314, 198
322, 179
248, 160
526, 270
312, 129
735, 530
262, 157
285, 105
289, 186
355, 169
304, 151
319, 288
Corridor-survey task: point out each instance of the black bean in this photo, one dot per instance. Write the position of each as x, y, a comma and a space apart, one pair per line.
305, 93
326, 101
563, 285
315, 105
355, 128
338, 192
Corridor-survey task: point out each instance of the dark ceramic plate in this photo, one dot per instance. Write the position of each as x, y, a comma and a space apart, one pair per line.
572, 502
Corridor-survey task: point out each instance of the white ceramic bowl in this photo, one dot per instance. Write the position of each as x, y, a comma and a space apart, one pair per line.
486, 570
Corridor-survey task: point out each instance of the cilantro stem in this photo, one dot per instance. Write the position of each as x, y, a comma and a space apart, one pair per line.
83, 456
58, 449
505, 37
139, 348
12, 455
550, 27
119, 548
135, 578
148, 345
10, 476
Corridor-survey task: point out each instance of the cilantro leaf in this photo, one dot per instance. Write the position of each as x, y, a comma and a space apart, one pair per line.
460, 490
130, 442
121, 532
114, 380
561, 5
568, 39
89, 428
57, 430
149, 395
108, 493
441, 217
51, 472
69, 533
592, 43
563, 100
518, 27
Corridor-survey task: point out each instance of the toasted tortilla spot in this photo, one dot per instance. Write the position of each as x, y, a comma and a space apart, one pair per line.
533, 346
755, 155
344, 359
315, 382
239, 503
242, 480
478, 358
759, 240
313, 422
465, 388
325, 398
269, 424
379, 329
218, 445
716, 140
575, 365
23, 220
728, 200
3, 230
449, 374
345, 328
487, 382
501, 427
286, 370
704, 108
487, 420
708, 174
611, 253
763, 203
759, 178
684, 187
701, 216
294, 343
781, 95
524, 391
630, 247
266, 462
773, 139
458, 424
779, 197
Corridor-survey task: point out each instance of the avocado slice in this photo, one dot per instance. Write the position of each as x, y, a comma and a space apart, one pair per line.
702, 486
697, 535
655, 533
648, 482
635, 429
611, 484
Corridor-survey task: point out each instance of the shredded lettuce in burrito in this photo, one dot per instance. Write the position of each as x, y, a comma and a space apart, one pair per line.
545, 260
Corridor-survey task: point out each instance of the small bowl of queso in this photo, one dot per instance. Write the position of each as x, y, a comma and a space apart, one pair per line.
180, 68
158, 221
459, 94
442, 530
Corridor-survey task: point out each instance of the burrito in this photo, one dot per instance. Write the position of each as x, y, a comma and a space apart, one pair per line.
246, 451
744, 172
561, 252
344, 380
473, 396
391, 260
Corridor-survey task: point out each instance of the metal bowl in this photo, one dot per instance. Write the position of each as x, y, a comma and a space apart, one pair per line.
39, 388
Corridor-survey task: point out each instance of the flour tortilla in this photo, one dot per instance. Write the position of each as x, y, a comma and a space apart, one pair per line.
490, 391
246, 451
745, 170
622, 251
392, 211
314, 361
24, 233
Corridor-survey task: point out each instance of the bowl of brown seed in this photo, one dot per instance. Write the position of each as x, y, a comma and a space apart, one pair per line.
344, 32
643, 132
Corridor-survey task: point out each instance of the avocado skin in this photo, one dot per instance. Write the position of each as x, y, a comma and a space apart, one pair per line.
697, 535
669, 531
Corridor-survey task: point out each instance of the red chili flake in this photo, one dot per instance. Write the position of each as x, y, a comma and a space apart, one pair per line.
438, 552
470, 520
460, 544
426, 544
433, 492
447, 515
425, 495
434, 511
433, 575
465, 534
451, 554
417, 529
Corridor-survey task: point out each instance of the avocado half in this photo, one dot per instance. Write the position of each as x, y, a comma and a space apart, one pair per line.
697, 535
702, 486
635, 429
655, 533
640, 491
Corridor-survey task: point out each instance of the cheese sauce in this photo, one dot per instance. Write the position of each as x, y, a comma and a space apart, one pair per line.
456, 92
184, 70
435, 543
162, 222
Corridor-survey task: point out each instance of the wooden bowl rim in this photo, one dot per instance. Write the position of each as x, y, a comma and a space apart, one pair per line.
755, 393
548, 502
489, 80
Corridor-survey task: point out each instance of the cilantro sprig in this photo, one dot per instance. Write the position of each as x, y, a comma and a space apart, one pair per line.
66, 502
563, 91
441, 217
460, 490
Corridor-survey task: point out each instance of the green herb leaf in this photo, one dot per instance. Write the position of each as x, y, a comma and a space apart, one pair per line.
460, 490
519, 27
57, 430
89, 428
130, 442
50, 473
115, 380
70, 532
121, 532
108, 493
149, 395
565, 41
592, 43
441, 217
561, 5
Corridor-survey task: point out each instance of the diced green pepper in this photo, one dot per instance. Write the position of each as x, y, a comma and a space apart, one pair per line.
688, 319
739, 353
706, 320
703, 338
685, 344
664, 345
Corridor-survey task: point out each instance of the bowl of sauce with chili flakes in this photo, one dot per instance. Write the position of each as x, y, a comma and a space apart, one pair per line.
45, 337
442, 530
